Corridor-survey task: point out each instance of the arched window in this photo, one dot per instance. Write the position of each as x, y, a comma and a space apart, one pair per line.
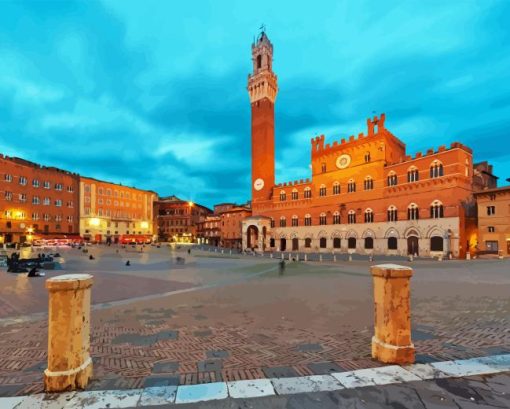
392, 214
412, 174
271, 242
294, 194
272, 222
283, 221
351, 242
367, 157
308, 242
308, 220
413, 212
295, 221
369, 243
322, 242
336, 217
368, 183
308, 193
259, 61
323, 167
436, 243
436, 169
322, 190
436, 210
392, 179
322, 218
295, 244
336, 188
351, 186
336, 242
351, 217
369, 216
392, 243
283, 196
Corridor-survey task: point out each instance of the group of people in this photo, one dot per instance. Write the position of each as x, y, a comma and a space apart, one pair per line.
15, 264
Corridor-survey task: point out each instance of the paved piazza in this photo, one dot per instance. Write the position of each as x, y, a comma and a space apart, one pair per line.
221, 317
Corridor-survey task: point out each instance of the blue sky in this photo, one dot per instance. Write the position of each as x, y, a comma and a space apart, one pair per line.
153, 93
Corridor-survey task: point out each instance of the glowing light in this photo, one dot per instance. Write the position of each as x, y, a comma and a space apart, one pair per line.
144, 225
30, 230
190, 204
94, 221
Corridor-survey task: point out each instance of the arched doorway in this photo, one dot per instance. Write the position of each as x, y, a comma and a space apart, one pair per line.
283, 244
295, 244
412, 245
253, 236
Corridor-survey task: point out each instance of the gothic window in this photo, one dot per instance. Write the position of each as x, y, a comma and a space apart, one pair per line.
369, 243
323, 167
436, 210
272, 222
392, 179
283, 221
283, 196
436, 169
436, 243
351, 242
369, 216
413, 212
308, 220
413, 174
259, 61
308, 193
322, 190
322, 242
392, 243
295, 221
336, 188
336, 242
336, 217
392, 214
322, 219
351, 186
367, 157
351, 217
294, 194
368, 183
308, 242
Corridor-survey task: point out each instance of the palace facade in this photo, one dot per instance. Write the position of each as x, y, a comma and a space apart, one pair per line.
366, 194
36, 202
113, 213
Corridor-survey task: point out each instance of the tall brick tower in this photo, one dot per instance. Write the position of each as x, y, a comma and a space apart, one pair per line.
262, 88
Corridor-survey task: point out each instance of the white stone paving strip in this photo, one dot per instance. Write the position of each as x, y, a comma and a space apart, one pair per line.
305, 384
163, 395
158, 395
201, 392
250, 389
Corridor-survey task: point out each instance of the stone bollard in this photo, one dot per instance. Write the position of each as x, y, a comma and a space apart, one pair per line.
334, 258
350, 257
320, 258
306, 257
69, 362
290, 256
283, 256
392, 340
271, 255
468, 256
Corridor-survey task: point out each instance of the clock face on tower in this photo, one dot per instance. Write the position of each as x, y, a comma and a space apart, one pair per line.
258, 184
343, 161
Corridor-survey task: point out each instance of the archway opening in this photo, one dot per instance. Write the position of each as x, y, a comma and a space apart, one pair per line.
412, 245
336, 242
295, 244
323, 242
436, 243
351, 243
252, 237
369, 243
283, 244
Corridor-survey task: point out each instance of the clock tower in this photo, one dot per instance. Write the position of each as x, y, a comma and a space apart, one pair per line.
262, 88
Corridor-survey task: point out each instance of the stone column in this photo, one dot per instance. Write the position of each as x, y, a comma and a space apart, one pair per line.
392, 340
69, 362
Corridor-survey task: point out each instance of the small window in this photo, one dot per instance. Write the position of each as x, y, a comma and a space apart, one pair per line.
491, 210
351, 186
369, 216
283, 196
283, 222
491, 229
336, 243
436, 243
323, 167
295, 221
392, 214
308, 242
336, 188
308, 193
351, 242
308, 220
322, 190
369, 243
392, 179
413, 212
436, 210
413, 175
336, 218
351, 217
368, 183
392, 243
323, 242
367, 157
294, 194
322, 219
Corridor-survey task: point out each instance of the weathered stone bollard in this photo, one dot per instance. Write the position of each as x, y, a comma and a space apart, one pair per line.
271, 255
334, 258
69, 362
306, 257
468, 256
392, 340
350, 257
320, 258
283, 256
